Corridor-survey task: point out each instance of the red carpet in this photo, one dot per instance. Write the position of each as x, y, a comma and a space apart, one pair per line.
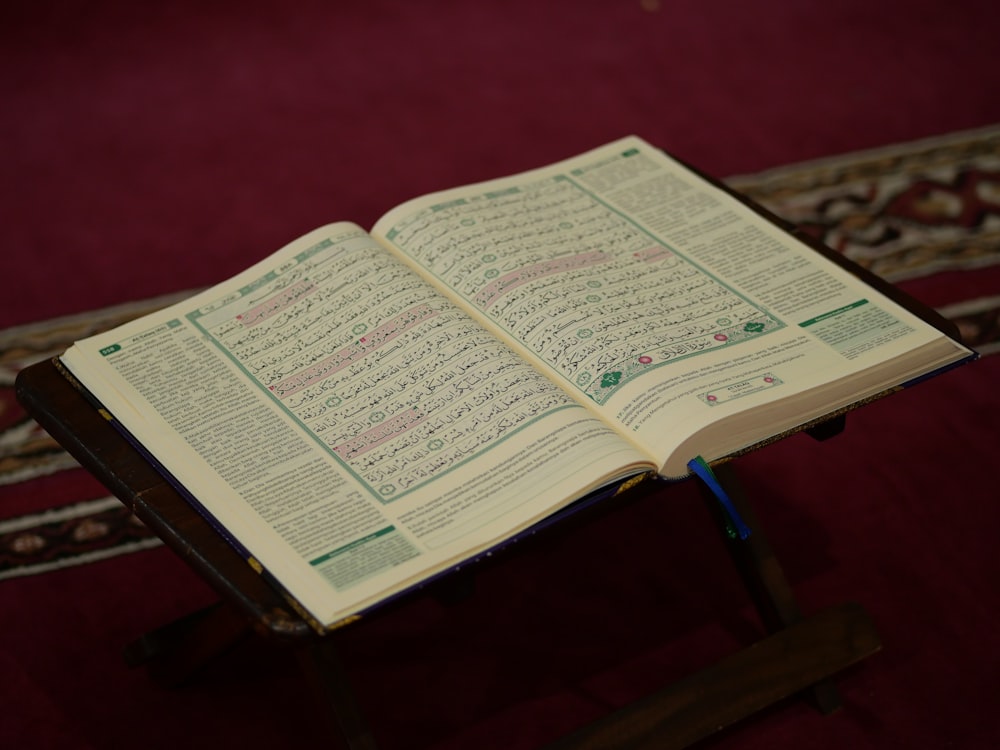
149, 150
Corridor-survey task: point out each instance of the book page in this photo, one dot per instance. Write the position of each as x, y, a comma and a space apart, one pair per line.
351, 428
660, 301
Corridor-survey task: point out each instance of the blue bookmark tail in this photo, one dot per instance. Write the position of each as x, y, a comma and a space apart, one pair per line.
735, 527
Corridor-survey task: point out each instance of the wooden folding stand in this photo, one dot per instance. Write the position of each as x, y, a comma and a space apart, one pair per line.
800, 654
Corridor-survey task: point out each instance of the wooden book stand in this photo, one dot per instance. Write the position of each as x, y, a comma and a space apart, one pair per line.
800, 654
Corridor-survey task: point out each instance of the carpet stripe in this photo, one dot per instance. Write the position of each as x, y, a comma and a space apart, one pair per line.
70, 535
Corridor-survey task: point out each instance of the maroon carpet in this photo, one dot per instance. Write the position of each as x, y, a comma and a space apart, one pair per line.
152, 149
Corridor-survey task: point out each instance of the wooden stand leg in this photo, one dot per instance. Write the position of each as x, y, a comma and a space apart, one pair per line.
323, 668
173, 653
762, 574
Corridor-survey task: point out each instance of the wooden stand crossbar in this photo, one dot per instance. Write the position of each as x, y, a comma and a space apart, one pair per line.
792, 660
799, 655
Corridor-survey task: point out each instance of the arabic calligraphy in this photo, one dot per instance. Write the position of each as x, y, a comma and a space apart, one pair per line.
596, 297
393, 380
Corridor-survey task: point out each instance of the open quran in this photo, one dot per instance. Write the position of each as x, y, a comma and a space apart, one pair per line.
365, 410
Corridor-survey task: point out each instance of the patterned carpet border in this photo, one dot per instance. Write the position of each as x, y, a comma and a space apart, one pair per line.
70, 535
903, 211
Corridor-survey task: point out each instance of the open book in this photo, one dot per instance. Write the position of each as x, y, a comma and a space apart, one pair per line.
363, 410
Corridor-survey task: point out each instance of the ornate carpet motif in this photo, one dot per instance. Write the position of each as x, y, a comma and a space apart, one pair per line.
904, 212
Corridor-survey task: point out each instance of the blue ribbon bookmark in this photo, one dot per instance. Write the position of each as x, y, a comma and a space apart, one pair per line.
736, 526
